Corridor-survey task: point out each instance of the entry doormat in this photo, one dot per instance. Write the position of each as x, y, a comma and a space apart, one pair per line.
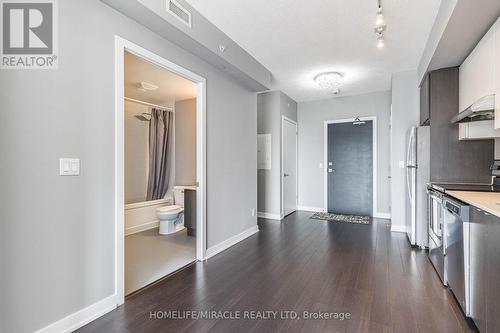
341, 218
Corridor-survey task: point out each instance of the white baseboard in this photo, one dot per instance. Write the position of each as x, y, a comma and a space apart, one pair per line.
398, 228
311, 209
269, 216
82, 317
382, 216
216, 249
145, 226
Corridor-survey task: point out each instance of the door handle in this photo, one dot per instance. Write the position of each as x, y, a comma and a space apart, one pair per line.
286, 175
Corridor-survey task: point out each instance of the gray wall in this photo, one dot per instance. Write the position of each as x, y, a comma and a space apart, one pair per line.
497, 149
269, 191
405, 114
57, 233
311, 116
185, 142
270, 107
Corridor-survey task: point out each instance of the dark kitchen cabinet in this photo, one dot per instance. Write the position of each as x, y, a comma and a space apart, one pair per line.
425, 113
452, 160
485, 270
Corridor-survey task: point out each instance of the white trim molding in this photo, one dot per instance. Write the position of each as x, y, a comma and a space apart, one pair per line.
373, 119
82, 317
222, 246
398, 228
311, 209
269, 216
386, 216
121, 46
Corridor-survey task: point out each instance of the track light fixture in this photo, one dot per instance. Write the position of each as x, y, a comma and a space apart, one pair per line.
380, 41
380, 26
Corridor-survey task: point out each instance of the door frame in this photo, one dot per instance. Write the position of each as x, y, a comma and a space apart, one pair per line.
122, 45
282, 179
374, 160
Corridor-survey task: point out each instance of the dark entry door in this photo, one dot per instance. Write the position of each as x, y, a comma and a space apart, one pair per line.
350, 168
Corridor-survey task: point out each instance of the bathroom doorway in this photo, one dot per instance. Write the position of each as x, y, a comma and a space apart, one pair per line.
160, 168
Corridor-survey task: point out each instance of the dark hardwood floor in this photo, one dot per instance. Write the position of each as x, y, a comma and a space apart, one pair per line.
301, 265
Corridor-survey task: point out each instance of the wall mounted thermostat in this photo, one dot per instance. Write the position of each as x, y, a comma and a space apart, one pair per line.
69, 166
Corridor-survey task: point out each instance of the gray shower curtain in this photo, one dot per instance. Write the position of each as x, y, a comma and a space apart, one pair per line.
160, 153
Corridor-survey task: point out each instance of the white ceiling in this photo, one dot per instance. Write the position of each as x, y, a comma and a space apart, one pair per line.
172, 87
297, 39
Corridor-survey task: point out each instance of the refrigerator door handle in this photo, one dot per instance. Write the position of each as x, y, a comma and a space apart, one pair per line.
408, 163
408, 184
408, 151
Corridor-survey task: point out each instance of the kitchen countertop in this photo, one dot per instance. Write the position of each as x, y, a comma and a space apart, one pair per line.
487, 201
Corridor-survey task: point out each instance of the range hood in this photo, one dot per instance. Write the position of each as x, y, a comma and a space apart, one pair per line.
483, 109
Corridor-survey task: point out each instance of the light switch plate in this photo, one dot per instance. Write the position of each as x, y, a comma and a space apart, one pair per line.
401, 164
69, 166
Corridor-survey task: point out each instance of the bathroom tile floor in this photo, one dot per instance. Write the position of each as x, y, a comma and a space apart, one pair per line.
150, 256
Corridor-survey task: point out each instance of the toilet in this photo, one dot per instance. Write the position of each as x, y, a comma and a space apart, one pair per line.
172, 217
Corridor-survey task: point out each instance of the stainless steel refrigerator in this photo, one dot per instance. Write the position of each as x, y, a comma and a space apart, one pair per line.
417, 177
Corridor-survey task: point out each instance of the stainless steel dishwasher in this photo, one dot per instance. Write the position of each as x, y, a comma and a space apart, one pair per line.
437, 245
456, 219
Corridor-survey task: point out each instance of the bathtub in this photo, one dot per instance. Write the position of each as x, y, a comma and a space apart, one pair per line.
141, 216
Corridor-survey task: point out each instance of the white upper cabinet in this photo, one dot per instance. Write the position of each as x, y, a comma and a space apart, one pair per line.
478, 76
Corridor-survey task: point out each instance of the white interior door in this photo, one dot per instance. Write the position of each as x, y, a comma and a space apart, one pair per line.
289, 171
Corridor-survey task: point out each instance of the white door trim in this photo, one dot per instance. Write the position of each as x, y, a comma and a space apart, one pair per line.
374, 161
122, 45
283, 119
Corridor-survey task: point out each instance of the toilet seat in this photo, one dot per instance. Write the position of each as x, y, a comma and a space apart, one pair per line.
169, 211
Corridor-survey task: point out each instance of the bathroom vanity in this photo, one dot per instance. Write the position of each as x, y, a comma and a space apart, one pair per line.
190, 210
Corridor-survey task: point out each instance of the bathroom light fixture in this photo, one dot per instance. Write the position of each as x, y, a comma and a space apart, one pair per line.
328, 80
148, 86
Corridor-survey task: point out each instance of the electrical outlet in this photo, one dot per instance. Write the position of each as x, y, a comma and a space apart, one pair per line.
253, 211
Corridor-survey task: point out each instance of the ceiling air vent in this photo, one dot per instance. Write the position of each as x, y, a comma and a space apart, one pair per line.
176, 9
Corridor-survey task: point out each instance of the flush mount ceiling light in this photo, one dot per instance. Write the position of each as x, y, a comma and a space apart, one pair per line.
380, 26
328, 80
146, 86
